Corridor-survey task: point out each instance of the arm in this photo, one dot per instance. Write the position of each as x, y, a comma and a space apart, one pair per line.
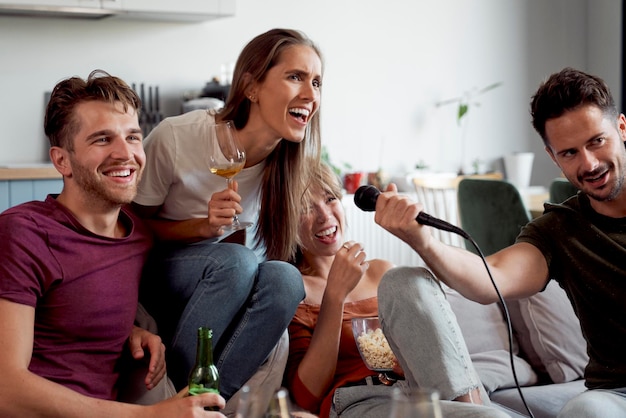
221, 209
24, 394
317, 368
519, 270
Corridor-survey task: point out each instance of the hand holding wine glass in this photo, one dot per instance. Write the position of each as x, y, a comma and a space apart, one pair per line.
226, 158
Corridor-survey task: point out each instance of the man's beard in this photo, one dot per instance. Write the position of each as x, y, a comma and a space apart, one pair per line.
97, 191
616, 188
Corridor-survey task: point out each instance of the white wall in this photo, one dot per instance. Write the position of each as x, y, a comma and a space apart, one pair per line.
387, 64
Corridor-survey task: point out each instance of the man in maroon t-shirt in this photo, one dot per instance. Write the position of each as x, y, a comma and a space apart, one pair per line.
70, 268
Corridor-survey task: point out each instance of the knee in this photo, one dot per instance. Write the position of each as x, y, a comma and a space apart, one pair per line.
236, 256
227, 264
592, 404
283, 279
408, 286
406, 282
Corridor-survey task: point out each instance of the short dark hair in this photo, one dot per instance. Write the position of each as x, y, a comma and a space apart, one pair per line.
60, 123
568, 90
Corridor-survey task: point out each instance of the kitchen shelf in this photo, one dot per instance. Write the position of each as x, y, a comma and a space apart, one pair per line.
28, 172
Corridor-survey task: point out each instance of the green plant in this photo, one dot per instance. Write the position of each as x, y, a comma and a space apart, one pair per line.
464, 102
421, 165
325, 157
467, 99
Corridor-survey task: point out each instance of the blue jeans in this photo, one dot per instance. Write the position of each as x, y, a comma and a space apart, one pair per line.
596, 403
247, 304
423, 333
376, 402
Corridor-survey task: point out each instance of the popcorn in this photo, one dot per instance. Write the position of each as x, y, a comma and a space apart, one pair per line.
375, 350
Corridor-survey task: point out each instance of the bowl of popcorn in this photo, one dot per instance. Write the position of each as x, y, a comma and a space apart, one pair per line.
372, 344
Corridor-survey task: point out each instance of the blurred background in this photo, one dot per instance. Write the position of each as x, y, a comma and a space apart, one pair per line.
389, 66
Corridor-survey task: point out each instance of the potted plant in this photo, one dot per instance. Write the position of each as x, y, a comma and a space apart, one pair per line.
468, 100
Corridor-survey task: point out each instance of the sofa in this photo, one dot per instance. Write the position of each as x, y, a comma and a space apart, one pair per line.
549, 352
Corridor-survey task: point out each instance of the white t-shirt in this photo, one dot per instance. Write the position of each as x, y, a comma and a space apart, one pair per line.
177, 176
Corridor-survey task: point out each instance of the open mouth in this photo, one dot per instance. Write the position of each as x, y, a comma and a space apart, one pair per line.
597, 179
119, 172
327, 234
300, 113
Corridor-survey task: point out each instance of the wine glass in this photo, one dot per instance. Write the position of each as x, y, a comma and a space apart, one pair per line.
226, 159
279, 406
415, 403
262, 402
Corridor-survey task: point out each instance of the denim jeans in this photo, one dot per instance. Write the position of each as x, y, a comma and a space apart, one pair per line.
422, 331
247, 304
375, 402
596, 403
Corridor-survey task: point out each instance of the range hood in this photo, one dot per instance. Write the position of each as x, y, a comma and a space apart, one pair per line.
55, 11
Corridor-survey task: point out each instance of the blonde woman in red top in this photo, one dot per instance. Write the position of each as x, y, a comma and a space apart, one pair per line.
325, 373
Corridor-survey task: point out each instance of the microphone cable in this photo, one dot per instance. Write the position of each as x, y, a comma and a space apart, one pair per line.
365, 199
507, 318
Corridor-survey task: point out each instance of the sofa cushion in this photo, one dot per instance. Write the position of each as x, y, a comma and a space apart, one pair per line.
554, 334
545, 401
486, 336
494, 369
131, 384
522, 336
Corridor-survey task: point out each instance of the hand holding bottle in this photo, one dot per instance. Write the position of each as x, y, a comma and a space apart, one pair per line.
204, 377
184, 406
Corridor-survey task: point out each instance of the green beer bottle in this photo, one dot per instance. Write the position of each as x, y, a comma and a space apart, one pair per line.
204, 377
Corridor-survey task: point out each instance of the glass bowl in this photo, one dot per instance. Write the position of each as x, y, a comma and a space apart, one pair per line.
372, 344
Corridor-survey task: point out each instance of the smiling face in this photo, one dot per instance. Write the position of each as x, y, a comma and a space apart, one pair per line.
105, 165
589, 149
322, 225
289, 95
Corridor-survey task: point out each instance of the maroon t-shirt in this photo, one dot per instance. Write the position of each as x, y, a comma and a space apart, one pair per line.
84, 288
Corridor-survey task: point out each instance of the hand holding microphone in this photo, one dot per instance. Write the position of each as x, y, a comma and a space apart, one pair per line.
365, 199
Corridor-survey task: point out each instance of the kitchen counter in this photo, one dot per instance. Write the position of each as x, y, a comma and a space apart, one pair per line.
28, 172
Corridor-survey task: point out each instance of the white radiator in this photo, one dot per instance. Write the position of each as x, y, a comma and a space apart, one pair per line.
377, 242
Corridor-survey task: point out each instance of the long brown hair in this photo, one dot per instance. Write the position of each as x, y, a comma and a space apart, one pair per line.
286, 174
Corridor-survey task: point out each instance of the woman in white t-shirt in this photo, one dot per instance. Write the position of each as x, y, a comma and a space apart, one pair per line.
246, 294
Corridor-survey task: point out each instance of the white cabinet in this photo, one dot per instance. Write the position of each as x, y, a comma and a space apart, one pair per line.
180, 10
51, 3
85, 9
162, 10
202, 7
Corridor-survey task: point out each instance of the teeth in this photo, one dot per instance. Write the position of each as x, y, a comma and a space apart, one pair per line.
300, 111
121, 173
325, 232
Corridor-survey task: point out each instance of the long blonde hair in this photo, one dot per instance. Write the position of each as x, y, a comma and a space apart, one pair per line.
286, 174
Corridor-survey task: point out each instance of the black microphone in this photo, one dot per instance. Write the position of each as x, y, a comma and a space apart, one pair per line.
365, 199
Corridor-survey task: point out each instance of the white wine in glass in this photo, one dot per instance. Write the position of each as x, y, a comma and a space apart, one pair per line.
226, 158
